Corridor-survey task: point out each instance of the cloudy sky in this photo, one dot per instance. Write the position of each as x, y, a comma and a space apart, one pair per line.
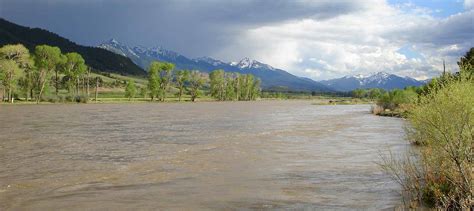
319, 39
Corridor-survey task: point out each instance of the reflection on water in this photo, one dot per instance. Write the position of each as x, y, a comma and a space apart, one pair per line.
233, 155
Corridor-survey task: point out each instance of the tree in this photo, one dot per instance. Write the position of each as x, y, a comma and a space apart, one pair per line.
181, 79
130, 89
61, 67
238, 85
153, 79
18, 56
247, 81
358, 93
165, 73
466, 65
374, 93
217, 78
17, 53
255, 90
195, 83
75, 67
9, 68
229, 86
46, 59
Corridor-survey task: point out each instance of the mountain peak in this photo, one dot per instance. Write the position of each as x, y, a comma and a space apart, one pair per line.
381, 79
112, 41
251, 63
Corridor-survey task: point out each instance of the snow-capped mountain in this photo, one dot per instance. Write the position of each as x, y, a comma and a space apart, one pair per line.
272, 78
377, 80
247, 63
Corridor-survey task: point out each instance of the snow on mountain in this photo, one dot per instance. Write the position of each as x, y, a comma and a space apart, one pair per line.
376, 80
271, 77
210, 60
246, 63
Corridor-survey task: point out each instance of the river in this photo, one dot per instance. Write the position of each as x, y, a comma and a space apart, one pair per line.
216, 155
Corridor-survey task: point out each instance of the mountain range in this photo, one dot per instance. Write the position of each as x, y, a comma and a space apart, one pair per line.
381, 80
112, 56
272, 78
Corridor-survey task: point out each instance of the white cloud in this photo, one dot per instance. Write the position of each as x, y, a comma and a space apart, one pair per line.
360, 42
469, 4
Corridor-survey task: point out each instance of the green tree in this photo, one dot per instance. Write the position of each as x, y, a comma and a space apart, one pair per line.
61, 68
196, 81
165, 76
153, 79
182, 77
374, 93
358, 93
130, 89
256, 90
217, 82
237, 85
21, 57
46, 60
229, 86
466, 65
75, 68
159, 78
10, 69
247, 82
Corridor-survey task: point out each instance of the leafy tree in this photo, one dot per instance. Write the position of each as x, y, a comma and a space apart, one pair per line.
230, 86
217, 82
195, 83
46, 59
358, 93
75, 67
466, 65
374, 93
165, 74
153, 79
17, 53
256, 90
159, 78
247, 82
61, 67
130, 89
237, 85
20, 56
9, 68
182, 77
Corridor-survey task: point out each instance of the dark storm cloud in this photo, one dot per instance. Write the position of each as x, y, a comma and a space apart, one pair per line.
188, 26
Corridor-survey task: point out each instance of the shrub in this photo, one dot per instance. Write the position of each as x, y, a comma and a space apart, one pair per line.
443, 124
81, 99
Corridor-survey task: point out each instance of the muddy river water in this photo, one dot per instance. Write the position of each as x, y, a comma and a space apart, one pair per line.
230, 155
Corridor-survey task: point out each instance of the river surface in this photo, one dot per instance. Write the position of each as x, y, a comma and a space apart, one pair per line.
230, 155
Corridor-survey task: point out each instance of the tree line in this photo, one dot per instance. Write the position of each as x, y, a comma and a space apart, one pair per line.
160, 76
233, 86
30, 75
222, 85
